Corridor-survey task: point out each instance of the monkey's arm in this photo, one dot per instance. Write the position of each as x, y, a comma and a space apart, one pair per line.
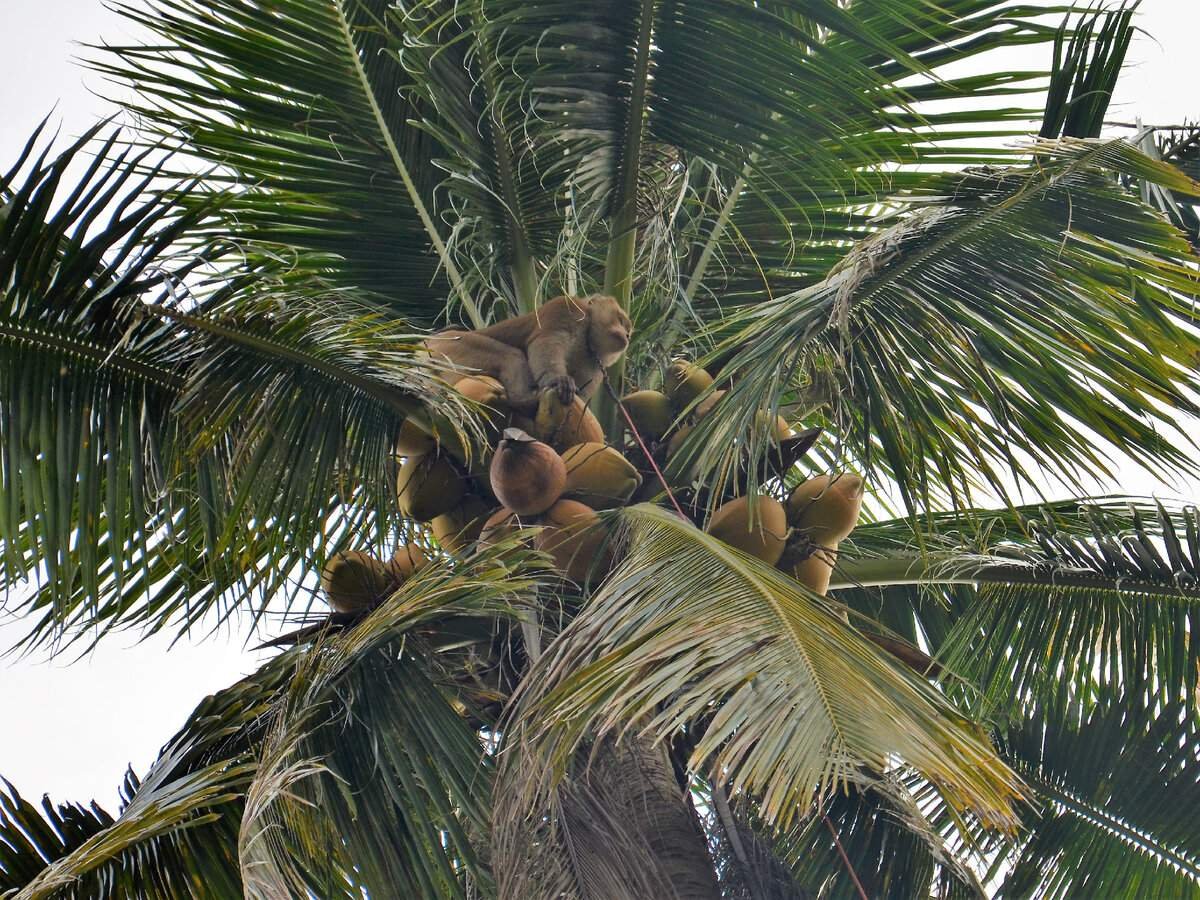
548, 354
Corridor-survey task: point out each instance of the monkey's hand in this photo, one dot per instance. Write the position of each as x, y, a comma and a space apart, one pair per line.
562, 385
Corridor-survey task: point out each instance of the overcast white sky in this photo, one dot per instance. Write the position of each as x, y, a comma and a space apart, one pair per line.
69, 728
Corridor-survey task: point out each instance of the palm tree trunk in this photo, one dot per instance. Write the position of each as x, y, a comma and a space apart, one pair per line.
635, 783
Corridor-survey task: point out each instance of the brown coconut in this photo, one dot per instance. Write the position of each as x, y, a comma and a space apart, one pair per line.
498, 526
355, 581
677, 440
571, 535
489, 394
684, 382
527, 475
755, 525
414, 440
599, 475
404, 562
428, 486
706, 405
826, 507
651, 413
458, 529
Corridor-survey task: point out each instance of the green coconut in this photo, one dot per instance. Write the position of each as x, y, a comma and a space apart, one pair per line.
565, 426
651, 413
684, 382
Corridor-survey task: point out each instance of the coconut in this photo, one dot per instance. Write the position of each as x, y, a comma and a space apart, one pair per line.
599, 475
815, 571
755, 525
706, 405
651, 413
826, 507
355, 581
571, 535
414, 441
428, 486
498, 526
780, 430
490, 394
404, 562
571, 425
458, 529
677, 440
527, 475
685, 381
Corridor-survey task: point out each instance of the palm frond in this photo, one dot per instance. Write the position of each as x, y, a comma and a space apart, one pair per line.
785, 702
306, 113
150, 441
1117, 794
373, 775
1016, 321
1053, 606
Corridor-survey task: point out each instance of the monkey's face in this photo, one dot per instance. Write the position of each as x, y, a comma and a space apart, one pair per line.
609, 327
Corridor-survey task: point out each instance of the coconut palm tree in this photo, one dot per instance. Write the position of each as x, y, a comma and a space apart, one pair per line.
853, 215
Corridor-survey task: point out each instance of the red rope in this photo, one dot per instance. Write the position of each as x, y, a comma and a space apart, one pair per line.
849, 868
646, 450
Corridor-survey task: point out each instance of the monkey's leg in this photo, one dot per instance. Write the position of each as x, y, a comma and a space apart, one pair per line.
471, 350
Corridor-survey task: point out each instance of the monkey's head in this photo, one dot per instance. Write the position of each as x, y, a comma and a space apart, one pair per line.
609, 329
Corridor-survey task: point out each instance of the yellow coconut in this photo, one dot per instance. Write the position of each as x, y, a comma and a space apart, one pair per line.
458, 529
706, 405
826, 507
404, 562
780, 429
571, 535
576, 425
599, 475
815, 571
685, 381
428, 486
651, 413
755, 525
355, 581
527, 476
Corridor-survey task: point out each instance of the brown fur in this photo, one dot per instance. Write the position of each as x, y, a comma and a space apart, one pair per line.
560, 347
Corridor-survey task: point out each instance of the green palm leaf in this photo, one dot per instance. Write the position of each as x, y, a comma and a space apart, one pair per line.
1059, 606
142, 483
306, 113
1117, 794
400, 799
1013, 318
786, 702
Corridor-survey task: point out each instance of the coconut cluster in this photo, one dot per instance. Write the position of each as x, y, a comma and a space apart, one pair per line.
801, 535
552, 471
555, 470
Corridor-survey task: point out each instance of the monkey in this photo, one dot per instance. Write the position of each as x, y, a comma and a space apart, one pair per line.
561, 347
